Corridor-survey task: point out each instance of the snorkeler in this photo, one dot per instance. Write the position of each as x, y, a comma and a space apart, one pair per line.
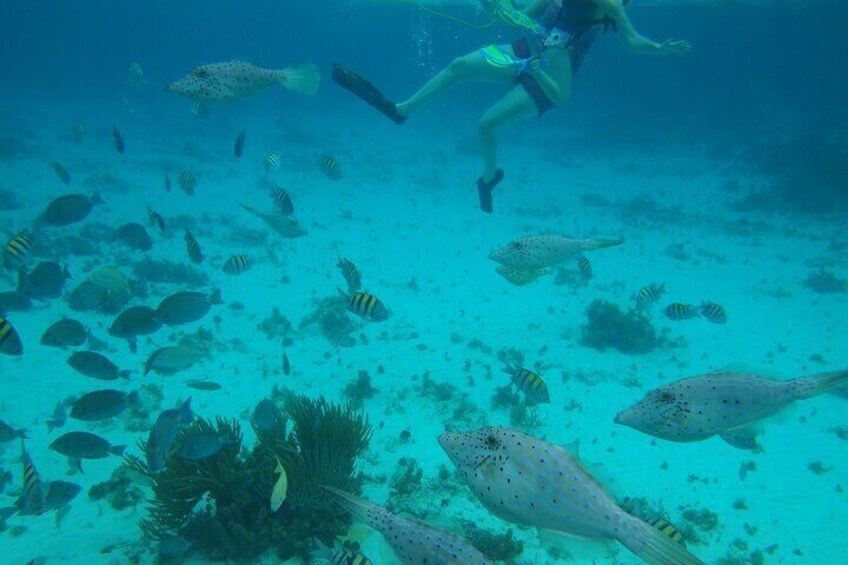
541, 64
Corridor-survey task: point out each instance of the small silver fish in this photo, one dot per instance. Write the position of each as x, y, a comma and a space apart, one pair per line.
525, 480
412, 541
723, 404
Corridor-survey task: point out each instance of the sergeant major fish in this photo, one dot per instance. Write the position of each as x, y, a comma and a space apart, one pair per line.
412, 541
525, 480
722, 404
365, 306
221, 83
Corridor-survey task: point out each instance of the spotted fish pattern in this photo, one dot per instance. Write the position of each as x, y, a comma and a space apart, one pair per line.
528, 481
221, 83
414, 542
724, 404
540, 251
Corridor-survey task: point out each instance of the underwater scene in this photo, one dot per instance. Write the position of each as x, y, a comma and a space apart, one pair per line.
451, 282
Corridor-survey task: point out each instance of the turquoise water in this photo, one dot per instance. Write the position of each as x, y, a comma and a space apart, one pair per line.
723, 172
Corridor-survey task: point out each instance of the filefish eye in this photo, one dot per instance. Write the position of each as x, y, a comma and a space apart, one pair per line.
666, 396
491, 441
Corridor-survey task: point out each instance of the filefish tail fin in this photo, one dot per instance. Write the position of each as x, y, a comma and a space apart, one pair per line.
807, 387
357, 506
303, 79
592, 244
653, 546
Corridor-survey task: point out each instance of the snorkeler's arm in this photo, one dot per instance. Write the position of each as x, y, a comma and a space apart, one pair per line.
633, 39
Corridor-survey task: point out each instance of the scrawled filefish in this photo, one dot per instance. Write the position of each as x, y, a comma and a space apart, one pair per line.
722, 404
540, 251
413, 541
525, 480
220, 83
521, 277
286, 226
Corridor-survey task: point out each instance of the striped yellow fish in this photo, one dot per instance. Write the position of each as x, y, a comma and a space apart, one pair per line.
365, 305
282, 201
195, 254
17, 251
350, 273
61, 172
10, 341
237, 264
529, 383
713, 312
331, 168
667, 528
272, 162
585, 268
187, 182
677, 312
648, 295
79, 132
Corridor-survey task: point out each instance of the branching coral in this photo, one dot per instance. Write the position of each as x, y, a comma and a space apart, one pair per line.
221, 504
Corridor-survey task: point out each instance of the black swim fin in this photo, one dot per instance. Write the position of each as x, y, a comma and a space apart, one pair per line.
484, 190
351, 81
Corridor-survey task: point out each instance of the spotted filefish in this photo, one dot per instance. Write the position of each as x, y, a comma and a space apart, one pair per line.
549, 250
722, 404
521, 277
525, 480
220, 83
414, 542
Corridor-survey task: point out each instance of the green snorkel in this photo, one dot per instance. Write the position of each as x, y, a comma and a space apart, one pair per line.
504, 10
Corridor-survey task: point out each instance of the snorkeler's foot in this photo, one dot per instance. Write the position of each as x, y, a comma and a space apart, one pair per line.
351, 81
484, 190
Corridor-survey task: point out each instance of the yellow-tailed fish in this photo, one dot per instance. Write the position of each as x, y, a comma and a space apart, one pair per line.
281, 487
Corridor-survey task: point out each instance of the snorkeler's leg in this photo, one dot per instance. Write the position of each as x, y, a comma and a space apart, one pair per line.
462, 69
514, 106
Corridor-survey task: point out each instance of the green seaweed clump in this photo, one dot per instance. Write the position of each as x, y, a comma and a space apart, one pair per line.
221, 504
499, 548
359, 390
333, 321
629, 332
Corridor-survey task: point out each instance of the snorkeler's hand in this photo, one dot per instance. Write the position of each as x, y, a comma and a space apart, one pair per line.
674, 47
534, 65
